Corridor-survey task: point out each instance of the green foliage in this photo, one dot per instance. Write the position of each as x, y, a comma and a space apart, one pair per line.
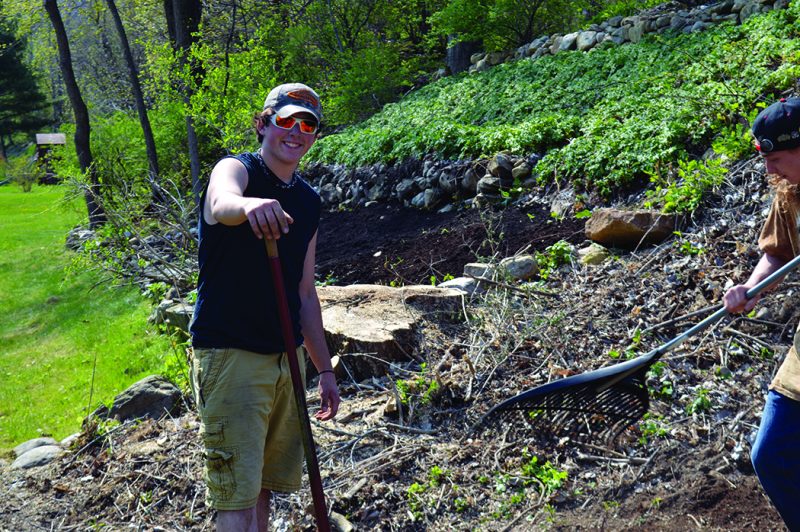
652, 426
701, 403
23, 107
685, 194
686, 246
418, 390
21, 170
603, 119
419, 498
551, 479
622, 8
507, 24
553, 256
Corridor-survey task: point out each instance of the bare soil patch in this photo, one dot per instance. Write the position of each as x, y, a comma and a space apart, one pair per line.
387, 243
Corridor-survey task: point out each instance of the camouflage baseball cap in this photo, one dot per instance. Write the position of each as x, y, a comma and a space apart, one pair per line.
291, 98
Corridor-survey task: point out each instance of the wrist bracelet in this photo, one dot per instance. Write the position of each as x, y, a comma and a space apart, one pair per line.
325, 371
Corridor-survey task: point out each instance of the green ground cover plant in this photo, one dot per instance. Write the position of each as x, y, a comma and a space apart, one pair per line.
58, 327
603, 119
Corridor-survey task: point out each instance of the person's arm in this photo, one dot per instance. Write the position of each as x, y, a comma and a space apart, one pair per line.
227, 204
735, 299
314, 335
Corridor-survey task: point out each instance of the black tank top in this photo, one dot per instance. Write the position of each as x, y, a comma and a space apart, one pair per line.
235, 297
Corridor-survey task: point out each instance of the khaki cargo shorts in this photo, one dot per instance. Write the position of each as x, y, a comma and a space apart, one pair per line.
249, 424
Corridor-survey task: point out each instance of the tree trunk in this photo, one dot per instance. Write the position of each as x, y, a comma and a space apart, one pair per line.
149, 141
82, 129
183, 19
458, 55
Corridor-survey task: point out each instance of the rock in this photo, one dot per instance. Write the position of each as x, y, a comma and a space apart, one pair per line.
520, 268
488, 185
469, 182
78, 237
521, 171
500, 166
636, 32
628, 229
29, 445
593, 254
179, 315
340, 523
37, 457
406, 189
151, 397
468, 285
563, 203
67, 442
330, 194
586, 40
479, 269
568, 42
432, 198
379, 320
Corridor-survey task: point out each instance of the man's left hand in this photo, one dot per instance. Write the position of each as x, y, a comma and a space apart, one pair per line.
329, 397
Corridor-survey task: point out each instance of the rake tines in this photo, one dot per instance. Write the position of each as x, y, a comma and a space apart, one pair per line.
588, 411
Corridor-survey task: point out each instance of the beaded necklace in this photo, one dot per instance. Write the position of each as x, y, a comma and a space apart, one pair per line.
278, 181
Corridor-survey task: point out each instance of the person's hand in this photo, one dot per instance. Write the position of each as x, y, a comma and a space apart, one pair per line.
329, 397
735, 300
267, 218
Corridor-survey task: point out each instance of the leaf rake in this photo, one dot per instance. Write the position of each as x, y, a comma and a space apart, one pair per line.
598, 405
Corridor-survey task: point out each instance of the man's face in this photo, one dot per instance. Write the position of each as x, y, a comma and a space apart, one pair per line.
784, 164
287, 145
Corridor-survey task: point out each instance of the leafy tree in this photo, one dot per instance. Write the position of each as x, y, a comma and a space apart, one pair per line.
22, 105
82, 127
183, 22
508, 24
133, 73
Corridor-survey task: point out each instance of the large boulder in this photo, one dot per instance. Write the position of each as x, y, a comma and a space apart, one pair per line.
371, 326
151, 397
629, 229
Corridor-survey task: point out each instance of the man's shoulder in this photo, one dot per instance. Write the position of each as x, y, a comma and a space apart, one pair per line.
307, 188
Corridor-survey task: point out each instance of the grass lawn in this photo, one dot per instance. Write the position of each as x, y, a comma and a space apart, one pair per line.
58, 327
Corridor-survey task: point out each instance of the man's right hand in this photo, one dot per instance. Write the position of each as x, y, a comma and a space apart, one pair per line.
735, 299
267, 218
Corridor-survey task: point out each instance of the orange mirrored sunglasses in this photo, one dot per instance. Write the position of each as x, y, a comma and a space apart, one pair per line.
307, 125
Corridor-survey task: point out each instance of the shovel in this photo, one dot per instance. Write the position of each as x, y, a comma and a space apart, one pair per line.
318, 496
598, 405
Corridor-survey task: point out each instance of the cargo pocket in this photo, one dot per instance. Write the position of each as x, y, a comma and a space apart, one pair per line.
206, 370
220, 480
212, 431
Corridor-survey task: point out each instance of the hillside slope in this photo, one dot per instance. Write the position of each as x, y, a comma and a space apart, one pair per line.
602, 119
684, 466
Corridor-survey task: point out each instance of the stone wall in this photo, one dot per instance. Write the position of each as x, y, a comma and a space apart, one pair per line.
621, 30
434, 185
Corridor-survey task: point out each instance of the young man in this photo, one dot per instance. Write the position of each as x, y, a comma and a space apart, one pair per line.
776, 451
240, 371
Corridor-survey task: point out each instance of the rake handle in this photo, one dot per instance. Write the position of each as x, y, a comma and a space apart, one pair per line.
722, 312
318, 496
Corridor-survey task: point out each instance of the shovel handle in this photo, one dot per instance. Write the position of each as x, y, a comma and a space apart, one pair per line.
318, 496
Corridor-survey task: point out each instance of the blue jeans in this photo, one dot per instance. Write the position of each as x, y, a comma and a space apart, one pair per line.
776, 456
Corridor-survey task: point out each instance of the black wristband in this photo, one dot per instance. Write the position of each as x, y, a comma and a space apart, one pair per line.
326, 371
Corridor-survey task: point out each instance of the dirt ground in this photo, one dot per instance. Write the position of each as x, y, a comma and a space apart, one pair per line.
385, 243
420, 468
